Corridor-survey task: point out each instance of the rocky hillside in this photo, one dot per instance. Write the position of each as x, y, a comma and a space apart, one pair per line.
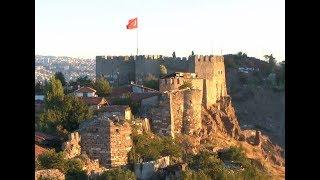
258, 105
221, 130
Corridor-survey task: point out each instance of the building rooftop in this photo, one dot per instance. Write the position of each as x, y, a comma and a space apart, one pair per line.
91, 101
115, 108
85, 90
38, 150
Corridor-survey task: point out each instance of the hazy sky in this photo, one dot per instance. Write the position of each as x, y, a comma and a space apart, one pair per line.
86, 28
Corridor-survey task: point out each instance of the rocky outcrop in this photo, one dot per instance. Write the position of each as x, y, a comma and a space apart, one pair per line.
221, 118
49, 174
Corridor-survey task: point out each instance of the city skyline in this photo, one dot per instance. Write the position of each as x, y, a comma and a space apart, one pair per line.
89, 28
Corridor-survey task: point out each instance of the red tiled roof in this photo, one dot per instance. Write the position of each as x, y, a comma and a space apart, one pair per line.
86, 90
94, 101
115, 108
38, 150
42, 136
116, 92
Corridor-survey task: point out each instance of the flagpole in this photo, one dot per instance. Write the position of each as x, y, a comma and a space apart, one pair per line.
137, 43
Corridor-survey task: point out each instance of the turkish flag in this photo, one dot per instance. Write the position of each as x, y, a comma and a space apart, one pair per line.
133, 23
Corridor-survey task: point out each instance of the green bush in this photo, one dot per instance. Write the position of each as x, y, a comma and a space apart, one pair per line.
153, 84
53, 160
117, 174
211, 165
234, 154
243, 78
150, 147
71, 167
194, 175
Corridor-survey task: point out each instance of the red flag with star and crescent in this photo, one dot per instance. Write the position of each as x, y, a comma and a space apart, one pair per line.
133, 23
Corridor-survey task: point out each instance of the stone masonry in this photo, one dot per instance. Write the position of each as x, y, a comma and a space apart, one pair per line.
72, 147
208, 75
108, 140
178, 112
49, 174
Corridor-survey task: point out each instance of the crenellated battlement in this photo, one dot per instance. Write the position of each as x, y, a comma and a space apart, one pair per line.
124, 69
208, 58
199, 58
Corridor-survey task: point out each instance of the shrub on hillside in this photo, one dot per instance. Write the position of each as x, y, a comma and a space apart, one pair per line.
148, 147
243, 78
117, 174
73, 168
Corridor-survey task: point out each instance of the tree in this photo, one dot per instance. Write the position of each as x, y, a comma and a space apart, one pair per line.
102, 86
241, 55
151, 82
272, 62
163, 70
39, 88
53, 93
60, 76
174, 55
81, 81
192, 53
62, 112
75, 111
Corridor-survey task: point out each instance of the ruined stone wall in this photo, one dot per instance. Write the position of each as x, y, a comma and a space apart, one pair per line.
72, 147
49, 174
106, 141
120, 143
161, 121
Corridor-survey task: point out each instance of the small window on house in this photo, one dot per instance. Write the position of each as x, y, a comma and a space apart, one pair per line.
178, 81
117, 130
165, 81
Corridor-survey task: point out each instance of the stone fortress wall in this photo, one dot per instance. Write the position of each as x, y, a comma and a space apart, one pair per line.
179, 111
132, 68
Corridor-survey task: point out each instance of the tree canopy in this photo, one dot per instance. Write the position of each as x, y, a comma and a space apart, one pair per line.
102, 86
163, 70
62, 112
60, 76
53, 93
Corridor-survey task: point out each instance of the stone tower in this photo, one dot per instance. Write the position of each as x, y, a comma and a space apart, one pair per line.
212, 70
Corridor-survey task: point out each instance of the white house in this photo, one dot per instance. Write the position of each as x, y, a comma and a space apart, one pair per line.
86, 92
